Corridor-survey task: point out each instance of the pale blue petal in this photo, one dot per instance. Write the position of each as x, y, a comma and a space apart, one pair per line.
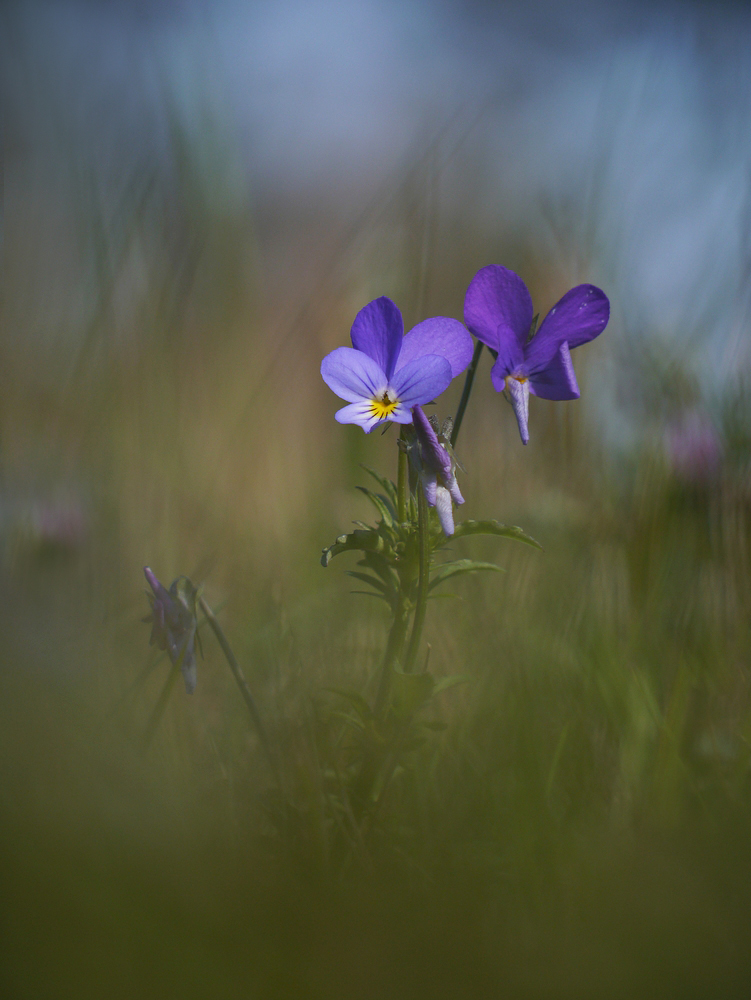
353, 375
439, 335
359, 413
421, 380
445, 510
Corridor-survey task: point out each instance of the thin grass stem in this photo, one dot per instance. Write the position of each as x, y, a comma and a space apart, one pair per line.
237, 673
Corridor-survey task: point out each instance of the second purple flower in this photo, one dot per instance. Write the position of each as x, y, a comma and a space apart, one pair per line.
384, 374
498, 310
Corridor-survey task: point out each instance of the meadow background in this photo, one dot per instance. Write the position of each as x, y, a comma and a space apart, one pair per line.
197, 200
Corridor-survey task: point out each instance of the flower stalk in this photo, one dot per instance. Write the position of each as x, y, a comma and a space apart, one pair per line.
423, 582
468, 380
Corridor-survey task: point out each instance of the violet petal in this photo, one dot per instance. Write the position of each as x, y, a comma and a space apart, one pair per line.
435, 457
439, 335
557, 379
160, 591
498, 308
378, 331
580, 316
353, 375
429, 485
421, 380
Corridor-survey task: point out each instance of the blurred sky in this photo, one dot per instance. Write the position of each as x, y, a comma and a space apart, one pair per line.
620, 130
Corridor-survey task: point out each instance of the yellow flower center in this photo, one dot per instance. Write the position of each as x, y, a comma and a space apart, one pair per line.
384, 405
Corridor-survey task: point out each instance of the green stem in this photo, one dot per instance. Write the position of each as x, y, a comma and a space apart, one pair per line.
468, 380
393, 654
241, 683
401, 480
423, 529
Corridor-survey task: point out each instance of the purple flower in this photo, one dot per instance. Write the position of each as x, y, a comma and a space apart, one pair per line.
435, 465
498, 310
173, 626
384, 374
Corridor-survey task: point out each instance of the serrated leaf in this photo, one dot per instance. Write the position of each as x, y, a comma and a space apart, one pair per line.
355, 699
387, 485
466, 528
370, 540
382, 504
447, 570
451, 681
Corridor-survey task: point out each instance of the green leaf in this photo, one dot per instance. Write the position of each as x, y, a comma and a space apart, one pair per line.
451, 681
351, 720
370, 540
409, 692
387, 485
447, 570
367, 578
382, 568
493, 528
355, 699
382, 505
373, 593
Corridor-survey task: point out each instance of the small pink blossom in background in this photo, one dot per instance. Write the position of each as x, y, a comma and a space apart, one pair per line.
693, 448
57, 524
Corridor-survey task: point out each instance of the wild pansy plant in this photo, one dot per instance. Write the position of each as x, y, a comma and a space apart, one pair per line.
498, 310
386, 376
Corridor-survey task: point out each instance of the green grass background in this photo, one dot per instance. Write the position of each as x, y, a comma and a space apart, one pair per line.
581, 828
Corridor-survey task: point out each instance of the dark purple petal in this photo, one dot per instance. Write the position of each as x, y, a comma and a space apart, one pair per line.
580, 316
352, 374
557, 379
433, 456
378, 331
360, 413
160, 592
440, 335
421, 380
498, 309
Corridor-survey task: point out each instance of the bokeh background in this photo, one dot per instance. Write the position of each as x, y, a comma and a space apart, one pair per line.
198, 197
